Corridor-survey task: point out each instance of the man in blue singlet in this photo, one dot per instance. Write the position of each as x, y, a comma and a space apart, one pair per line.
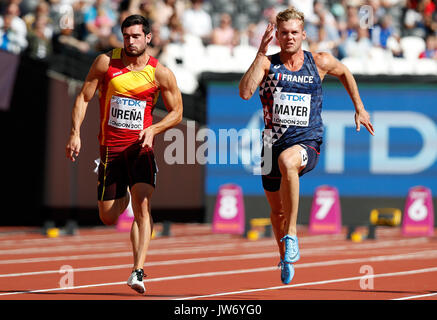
290, 88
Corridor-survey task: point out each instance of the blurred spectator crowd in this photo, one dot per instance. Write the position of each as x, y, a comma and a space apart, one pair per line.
194, 36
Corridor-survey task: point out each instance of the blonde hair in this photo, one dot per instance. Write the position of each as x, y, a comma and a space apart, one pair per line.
290, 14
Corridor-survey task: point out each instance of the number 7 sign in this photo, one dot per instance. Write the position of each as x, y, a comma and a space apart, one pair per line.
325, 216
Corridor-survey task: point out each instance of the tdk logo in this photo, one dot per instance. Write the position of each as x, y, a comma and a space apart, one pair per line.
292, 97
128, 102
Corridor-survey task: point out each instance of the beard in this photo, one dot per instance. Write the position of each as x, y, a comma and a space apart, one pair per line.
134, 54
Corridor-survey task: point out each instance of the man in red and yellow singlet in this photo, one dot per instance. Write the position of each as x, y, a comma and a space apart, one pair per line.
129, 81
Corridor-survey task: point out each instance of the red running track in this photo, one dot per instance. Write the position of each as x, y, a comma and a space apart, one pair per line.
194, 264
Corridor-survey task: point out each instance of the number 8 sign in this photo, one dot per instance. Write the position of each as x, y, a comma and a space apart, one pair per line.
325, 216
229, 214
228, 206
418, 219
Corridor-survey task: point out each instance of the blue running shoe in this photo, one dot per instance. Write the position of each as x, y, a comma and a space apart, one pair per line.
287, 271
291, 249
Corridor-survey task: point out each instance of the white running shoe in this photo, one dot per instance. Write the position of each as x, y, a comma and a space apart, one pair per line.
135, 281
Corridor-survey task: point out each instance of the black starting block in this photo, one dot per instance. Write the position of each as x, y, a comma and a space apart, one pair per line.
48, 224
350, 231
163, 231
71, 228
371, 232
166, 229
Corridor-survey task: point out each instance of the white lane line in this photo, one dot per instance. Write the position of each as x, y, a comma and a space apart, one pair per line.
221, 273
222, 247
83, 247
151, 264
118, 245
417, 297
63, 240
431, 254
381, 275
189, 240
60, 239
424, 255
68, 258
178, 277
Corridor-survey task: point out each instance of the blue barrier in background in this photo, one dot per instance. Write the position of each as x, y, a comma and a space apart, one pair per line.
402, 153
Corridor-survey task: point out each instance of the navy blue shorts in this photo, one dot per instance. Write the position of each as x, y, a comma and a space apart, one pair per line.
272, 180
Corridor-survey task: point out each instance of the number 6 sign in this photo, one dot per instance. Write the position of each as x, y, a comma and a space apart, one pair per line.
325, 216
418, 218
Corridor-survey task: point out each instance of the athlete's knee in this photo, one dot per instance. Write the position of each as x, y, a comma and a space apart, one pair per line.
276, 210
289, 166
290, 161
142, 215
276, 214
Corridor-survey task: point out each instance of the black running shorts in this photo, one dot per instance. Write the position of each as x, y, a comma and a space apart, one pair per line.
122, 167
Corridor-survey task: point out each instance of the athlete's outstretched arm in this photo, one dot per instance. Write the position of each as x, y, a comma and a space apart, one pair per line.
327, 64
258, 69
94, 77
172, 98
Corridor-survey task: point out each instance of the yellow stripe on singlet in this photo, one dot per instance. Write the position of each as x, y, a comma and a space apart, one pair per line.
105, 163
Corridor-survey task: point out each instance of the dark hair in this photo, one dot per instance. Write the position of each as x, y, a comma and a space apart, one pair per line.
134, 20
